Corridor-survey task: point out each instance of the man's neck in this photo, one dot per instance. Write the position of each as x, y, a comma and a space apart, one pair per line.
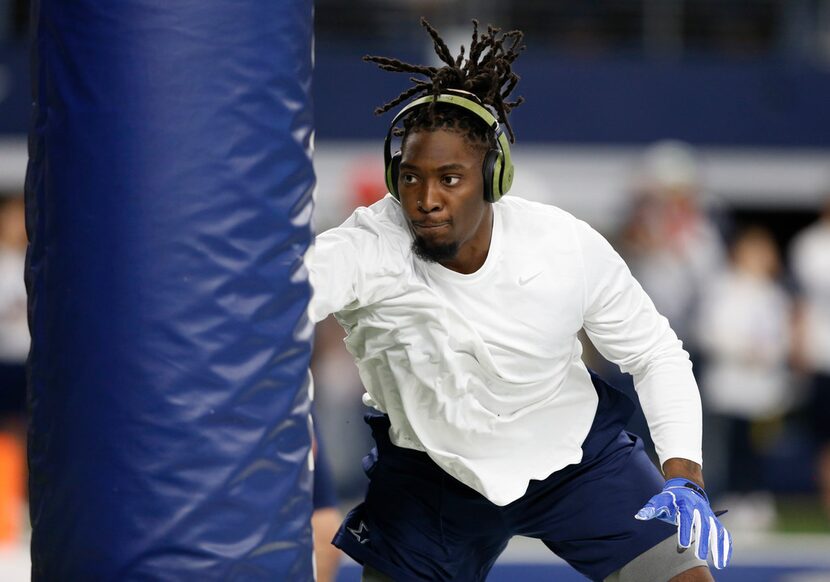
473, 253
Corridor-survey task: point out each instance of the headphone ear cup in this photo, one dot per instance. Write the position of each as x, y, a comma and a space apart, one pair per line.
393, 170
490, 171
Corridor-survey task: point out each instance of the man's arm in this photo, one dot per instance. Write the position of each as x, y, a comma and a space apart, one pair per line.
676, 468
336, 269
352, 265
622, 322
626, 328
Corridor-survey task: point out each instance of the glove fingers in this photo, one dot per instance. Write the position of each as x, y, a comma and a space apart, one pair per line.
714, 541
724, 549
687, 527
688, 508
665, 513
660, 506
729, 553
700, 529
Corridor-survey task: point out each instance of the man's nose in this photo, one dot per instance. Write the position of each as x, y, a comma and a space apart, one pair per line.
430, 199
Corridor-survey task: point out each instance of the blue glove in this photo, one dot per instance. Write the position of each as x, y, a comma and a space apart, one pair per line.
684, 504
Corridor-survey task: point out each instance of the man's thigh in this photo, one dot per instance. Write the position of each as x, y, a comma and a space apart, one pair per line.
406, 530
586, 514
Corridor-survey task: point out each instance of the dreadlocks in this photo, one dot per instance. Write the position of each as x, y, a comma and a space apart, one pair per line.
486, 73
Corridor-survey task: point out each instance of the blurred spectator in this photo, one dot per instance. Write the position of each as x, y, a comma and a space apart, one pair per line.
671, 246
339, 409
744, 331
14, 329
672, 249
14, 349
810, 261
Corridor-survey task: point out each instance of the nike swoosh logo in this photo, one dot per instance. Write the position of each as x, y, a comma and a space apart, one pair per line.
525, 280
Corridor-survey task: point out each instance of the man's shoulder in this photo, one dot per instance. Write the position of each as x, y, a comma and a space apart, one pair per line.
551, 228
529, 210
543, 223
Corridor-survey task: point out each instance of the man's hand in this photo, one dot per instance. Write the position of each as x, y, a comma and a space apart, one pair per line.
685, 504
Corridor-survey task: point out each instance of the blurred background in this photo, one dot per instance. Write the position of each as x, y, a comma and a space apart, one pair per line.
694, 134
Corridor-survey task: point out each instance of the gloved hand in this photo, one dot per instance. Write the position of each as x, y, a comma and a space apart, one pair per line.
685, 504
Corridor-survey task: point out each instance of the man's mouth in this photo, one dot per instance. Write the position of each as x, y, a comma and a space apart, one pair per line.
430, 225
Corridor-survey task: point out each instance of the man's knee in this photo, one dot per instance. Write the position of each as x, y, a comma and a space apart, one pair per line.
696, 574
663, 563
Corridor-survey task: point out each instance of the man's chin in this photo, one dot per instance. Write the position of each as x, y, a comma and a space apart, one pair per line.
434, 252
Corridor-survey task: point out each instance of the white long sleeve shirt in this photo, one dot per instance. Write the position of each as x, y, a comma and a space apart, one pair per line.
483, 371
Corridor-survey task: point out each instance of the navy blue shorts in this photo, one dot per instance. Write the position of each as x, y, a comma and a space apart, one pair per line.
419, 523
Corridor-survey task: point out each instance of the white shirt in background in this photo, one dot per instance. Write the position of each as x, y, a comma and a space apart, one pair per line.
14, 327
675, 275
744, 329
810, 258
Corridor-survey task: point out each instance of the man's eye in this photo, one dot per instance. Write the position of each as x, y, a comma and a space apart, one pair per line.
408, 179
451, 180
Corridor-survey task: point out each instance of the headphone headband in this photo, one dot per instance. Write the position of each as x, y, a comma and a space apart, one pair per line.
457, 97
498, 178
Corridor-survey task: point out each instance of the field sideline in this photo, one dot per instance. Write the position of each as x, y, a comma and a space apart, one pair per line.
763, 558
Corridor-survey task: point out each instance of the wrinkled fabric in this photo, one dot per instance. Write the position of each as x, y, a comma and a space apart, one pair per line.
484, 371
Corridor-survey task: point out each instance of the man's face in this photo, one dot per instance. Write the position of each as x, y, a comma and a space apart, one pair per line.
442, 193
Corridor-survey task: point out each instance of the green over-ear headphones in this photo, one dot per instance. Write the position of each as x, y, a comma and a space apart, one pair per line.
497, 168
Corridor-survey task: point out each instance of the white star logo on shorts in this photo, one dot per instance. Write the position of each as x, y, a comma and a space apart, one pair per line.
361, 534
